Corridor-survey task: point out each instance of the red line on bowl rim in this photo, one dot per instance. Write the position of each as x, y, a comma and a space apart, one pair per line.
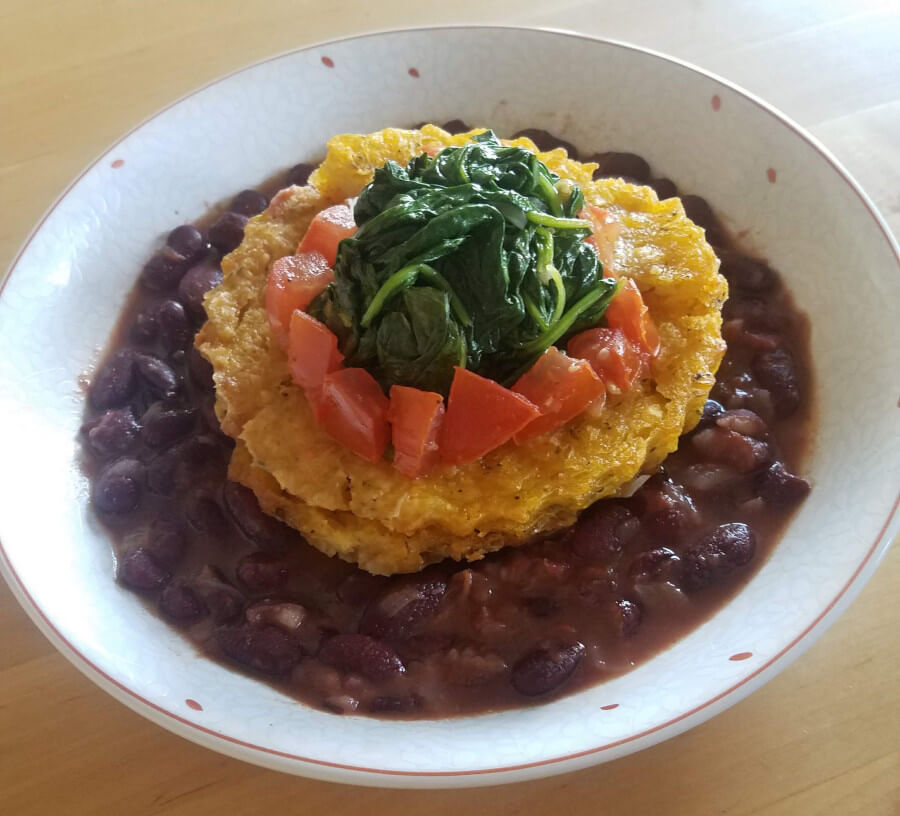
766, 108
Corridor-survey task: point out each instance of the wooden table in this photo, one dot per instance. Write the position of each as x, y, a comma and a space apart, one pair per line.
823, 737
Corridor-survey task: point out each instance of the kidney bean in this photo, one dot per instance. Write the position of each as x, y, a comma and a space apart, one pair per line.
162, 425
112, 432
743, 453
717, 555
777, 372
628, 166
204, 514
664, 508
780, 488
546, 141
197, 281
746, 273
188, 242
665, 188
711, 410
262, 572
546, 668
653, 565
299, 174
402, 609
115, 382
455, 126
139, 570
698, 210
174, 329
163, 271
603, 530
625, 617
144, 328
118, 487
257, 525
160, 378
182, 604
264, 648
249, 203
362, 655
166, 542
227, 232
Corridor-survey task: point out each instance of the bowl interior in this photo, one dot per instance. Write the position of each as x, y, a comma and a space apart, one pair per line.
64, 293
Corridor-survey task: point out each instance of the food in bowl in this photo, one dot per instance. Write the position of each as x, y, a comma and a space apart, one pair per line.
599, 289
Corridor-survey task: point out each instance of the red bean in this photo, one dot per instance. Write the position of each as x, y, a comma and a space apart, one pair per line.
626, 617
653, 565
111, 433
162, 425
139, 570
628, 166
197, 281
399, 612
174, 329
362, 655
455, 126
664, 508
546, 668
249, 203
165, 542
299, 174
188, 242
227, 232
777, 372
746, 273
780, 488
145, 328
717, 555
224, 600
266, 648
546, 141
257, 525
204, 514
160, 378
117, 490
200, 370
182, 604
736, 450
665, 188
287, 616
262, 572
603, 530
163, 271
743, 421
115, 382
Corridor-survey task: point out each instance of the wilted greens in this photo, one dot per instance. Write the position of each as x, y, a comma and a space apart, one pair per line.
472, 257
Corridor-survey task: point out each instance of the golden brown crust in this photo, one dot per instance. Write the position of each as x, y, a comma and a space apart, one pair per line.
373, 515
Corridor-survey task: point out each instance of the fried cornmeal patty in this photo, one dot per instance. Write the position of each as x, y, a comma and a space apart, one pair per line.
371, 514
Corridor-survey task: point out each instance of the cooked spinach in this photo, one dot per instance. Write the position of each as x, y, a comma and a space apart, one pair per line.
473, 257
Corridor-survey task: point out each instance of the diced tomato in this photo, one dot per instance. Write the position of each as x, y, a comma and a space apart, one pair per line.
615, 359
481, 416
327, 230
293, 283
606, 232
627, 311
415, 418
561, 387
352, 408
312, 350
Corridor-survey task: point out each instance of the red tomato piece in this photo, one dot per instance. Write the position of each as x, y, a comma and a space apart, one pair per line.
415, 418
481, 416
561, 387
327, 230
627, 311
312, 350
615, 359
293, 283
606, 232
352, 409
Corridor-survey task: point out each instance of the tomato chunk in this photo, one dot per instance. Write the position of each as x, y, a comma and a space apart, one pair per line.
481, 416
627, 311
293, 283
327, 230
352, 409
606, 232
615, 359
561, 387
415, 418
312, 350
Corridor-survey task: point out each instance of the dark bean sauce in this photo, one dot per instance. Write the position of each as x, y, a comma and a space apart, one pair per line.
520, 627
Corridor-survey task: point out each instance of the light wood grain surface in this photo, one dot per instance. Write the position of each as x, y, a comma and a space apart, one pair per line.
822, 738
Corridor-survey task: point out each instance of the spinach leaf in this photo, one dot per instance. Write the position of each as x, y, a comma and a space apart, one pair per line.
471, 257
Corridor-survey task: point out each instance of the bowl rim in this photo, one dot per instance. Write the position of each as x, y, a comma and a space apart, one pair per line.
356, 774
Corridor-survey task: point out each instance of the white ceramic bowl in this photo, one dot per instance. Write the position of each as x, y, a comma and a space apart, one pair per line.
802, 210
